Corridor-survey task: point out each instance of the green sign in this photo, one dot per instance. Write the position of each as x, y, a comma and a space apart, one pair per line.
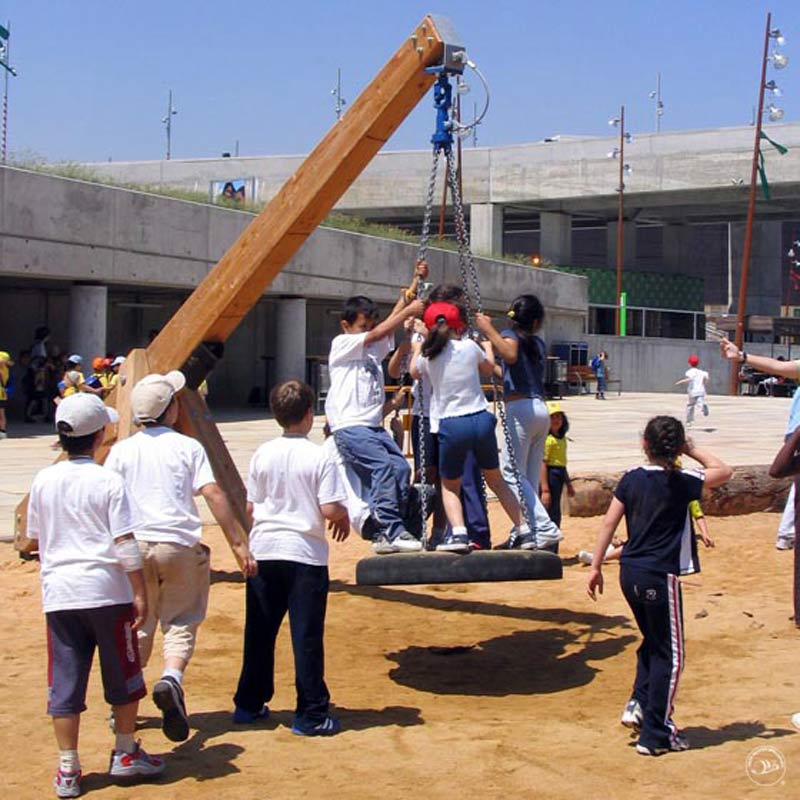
623, 314
4, 34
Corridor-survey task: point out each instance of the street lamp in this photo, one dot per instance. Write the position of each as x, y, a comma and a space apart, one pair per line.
5, 54
656, 95
337, 93
778, 61
167, 122
624, 169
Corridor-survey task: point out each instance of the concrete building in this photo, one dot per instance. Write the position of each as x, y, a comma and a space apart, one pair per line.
685, 204
102, 267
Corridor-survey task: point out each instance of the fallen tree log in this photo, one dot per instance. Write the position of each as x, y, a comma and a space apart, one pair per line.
750, 489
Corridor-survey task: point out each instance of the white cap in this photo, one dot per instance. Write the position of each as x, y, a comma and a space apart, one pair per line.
75, 359
151, 396
118, 361
85, 414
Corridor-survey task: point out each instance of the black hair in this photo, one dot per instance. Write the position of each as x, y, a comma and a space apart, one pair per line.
446, 293
664, 438
42, 332
564, 428
438, 337
527, 314
359, 304
290, 402
74, 445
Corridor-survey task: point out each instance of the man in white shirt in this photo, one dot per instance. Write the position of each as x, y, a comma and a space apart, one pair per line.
164, 470
354, 407
696, 380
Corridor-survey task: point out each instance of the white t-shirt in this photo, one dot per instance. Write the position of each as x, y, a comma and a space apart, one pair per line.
697, 378
455, 380
164, 470
76, 509
357, 505
290, 478
356, 393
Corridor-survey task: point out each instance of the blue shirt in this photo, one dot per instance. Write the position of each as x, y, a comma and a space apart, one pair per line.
660, 537
525, 377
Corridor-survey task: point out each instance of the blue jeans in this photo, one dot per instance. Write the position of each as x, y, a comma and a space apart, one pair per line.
528, 425
376, 459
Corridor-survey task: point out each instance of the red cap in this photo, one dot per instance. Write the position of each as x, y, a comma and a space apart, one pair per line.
107, 362
444, 312
693, 360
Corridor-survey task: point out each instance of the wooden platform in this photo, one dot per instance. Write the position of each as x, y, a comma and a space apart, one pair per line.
480, 566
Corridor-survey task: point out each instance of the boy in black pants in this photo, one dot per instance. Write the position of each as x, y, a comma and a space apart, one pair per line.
293, 488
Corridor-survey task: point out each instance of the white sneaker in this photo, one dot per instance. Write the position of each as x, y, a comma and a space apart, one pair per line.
632, 716
796, 720
406, 543
677, 745
585, 557
784, 544
135, 764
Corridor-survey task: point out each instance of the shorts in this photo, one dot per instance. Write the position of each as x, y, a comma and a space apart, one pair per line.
472, 433
72, 637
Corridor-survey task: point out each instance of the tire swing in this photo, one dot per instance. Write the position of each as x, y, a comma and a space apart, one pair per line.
478, 566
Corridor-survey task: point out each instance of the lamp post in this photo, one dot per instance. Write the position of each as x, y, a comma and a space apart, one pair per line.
656, 95
5, 54
167, 122
779, 61
337, 93
624, 169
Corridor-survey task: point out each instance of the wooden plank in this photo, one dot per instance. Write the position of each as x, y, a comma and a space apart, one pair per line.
135, 368
218, 304
194, 419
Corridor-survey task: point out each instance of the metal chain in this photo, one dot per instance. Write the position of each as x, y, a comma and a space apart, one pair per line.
426, 219
469, 279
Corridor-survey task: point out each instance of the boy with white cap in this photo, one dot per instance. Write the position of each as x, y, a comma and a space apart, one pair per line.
93, 590
164, 470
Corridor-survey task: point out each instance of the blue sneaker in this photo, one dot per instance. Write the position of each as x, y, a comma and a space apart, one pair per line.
242, 717
454, 543
330, 726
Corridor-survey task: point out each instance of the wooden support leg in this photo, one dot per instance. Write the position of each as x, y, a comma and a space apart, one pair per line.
195, 420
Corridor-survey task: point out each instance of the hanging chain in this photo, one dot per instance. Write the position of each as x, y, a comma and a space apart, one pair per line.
426, 219
469, 280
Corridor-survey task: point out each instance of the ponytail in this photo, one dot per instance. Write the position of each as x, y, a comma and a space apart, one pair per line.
436, 340
526, 315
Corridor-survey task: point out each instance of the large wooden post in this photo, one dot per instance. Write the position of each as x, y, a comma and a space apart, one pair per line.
216, 307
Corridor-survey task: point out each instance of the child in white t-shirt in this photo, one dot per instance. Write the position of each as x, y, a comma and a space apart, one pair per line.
696, 380
459, 415
93, 590
354, 408
292, 489
164, 470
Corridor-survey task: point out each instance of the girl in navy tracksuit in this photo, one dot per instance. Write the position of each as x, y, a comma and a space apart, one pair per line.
654, 500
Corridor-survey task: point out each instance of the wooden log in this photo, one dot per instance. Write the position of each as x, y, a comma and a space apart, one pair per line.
749, 490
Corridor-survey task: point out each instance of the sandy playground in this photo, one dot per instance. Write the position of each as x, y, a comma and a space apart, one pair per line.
507, 689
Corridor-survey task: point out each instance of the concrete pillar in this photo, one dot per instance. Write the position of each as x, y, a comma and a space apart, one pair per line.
87, 317
486, 229
628, 244
290, 344
556, 237
765, 276
675, 248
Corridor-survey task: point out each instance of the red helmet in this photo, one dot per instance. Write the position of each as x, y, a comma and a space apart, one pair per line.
444, 312
694, 360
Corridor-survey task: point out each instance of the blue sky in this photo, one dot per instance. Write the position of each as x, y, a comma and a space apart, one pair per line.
94, 76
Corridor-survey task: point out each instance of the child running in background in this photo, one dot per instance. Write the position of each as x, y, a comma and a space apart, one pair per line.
5, 388
654, 500
93, 591
354, 408
459, 416
697, 379
554, 465
293, 488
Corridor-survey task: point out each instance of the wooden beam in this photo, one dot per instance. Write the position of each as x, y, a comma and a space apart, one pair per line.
234, 286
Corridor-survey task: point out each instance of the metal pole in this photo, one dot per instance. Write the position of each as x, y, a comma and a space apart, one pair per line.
5, 94
751, 210
620, 218
169, 126
658, 103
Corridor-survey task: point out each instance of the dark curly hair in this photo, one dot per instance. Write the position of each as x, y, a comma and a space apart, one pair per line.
664, 438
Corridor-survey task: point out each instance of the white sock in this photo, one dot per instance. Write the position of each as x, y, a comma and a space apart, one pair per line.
173, 673
68, 761
459, 530
124, 742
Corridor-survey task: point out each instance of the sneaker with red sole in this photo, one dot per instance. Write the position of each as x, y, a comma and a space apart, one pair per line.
137, 764
67, 784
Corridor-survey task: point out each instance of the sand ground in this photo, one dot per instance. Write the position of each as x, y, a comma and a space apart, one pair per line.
508, 689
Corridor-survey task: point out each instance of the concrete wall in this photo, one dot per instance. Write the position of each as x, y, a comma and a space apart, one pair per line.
653, 365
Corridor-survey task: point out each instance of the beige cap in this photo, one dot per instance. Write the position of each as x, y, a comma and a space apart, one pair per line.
151, 396
85, 414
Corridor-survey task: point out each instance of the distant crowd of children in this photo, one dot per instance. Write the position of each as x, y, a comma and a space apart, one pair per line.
121, 550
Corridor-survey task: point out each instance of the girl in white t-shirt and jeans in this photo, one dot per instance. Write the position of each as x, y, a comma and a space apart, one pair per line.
459, 414
696, 380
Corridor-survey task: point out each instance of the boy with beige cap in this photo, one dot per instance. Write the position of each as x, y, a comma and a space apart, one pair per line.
164, 470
